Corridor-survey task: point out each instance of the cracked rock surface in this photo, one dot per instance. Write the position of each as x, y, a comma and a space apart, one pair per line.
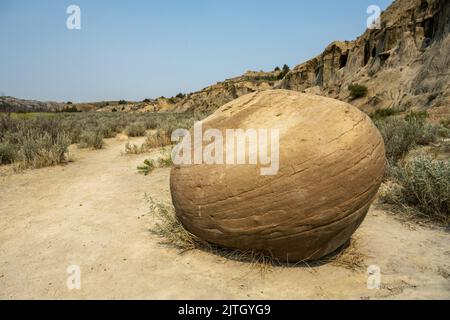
331, 163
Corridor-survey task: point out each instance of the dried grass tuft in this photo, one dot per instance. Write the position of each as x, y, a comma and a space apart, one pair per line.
170, 229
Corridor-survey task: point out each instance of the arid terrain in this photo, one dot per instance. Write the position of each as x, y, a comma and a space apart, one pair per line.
76, 179
92, 213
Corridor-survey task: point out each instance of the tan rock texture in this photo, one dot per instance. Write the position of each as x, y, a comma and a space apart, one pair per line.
332, 161
405, 63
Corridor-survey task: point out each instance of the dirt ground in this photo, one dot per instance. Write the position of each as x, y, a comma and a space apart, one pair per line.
92, 213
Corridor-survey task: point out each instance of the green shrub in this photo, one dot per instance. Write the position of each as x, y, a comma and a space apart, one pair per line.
166, 160
7, 153
91, 139
357, 91
106, 131
420, 115
147, 167
446, 123
136, 129
122, 102
384, 113
41, 150
423, 184
70, 109
400, 136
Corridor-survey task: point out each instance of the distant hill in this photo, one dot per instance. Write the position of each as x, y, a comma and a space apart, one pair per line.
403, 64
11, 104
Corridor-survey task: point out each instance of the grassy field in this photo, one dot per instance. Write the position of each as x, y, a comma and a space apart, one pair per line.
34, 140
30, 115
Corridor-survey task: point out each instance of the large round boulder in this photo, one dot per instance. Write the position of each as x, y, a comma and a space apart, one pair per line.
331, 163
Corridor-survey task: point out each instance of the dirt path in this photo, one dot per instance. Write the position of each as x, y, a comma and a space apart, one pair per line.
92, 213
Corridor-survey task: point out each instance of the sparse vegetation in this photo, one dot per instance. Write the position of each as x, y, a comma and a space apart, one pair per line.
424, 184
384, 113
136, 129
157, 139
420, 115
357, 91
446, 123
169, 228
172, 233
415, 182
147, 167
400, 135
134, 149
49, 134
166, 160
122, 102
91, 139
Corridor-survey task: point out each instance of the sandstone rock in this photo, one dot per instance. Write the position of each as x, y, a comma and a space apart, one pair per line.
331, 165
405, 63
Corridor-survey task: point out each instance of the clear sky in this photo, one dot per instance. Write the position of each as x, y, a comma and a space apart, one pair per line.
140, 49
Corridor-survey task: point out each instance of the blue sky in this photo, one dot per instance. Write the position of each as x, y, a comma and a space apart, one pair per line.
140, 49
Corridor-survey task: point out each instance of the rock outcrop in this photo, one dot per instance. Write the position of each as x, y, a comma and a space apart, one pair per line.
331, 163
212, 97
404, 64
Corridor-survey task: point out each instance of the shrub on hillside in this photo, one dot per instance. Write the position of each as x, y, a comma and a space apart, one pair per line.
357, 91
384, 113
419, 115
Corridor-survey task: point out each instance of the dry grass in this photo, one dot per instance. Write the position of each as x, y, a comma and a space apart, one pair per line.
171, 231
348, 256
169, 228
158, 139
134, 149
420, 186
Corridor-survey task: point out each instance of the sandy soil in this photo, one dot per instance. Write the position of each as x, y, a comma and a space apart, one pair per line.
92, 213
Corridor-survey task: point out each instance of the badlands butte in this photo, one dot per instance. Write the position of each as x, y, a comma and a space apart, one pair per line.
404, 62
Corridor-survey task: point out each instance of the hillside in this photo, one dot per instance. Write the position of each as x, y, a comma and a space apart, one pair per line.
405, 64
10, 104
